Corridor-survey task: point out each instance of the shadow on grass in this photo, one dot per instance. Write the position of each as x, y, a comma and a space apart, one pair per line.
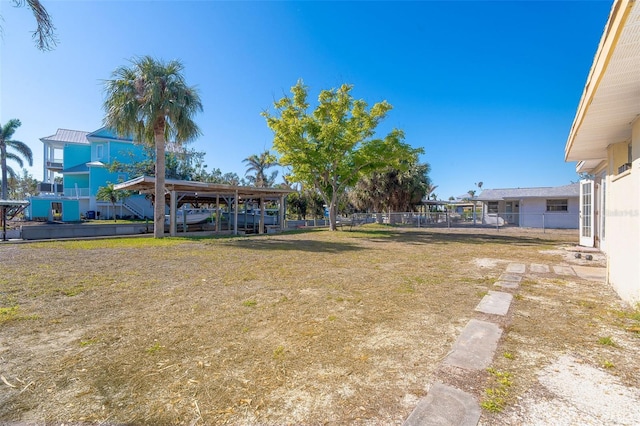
423, 236
314, 246
428, 237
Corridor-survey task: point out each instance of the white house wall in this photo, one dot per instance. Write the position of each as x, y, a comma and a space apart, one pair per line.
534, 214
622, 226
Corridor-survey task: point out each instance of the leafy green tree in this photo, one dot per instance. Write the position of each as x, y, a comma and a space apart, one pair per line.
330, 148
21, 151
44, 35
22, 186
257, 166
305, 203
152, 101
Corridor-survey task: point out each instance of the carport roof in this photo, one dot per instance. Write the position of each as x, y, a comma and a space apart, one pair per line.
203, 192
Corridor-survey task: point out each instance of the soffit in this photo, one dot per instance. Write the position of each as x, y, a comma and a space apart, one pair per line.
615, 102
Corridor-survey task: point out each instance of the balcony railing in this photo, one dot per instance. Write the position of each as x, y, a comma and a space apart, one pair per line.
57, 163
76, 192
49, 188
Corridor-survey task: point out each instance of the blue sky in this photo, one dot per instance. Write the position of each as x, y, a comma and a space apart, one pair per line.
488, 89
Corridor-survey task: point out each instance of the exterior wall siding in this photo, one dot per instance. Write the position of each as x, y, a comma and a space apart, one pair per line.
82, 181
40, 209
622, 224
99, 176
75, 154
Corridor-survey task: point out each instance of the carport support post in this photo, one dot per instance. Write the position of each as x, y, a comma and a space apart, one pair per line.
217, 213
172, 214
235, 214
281, 212
261, 224
474, 212
4, 223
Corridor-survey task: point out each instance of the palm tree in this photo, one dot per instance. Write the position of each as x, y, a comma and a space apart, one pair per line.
44, 35
258, 164
112, 195
151, 101
22, 150
6, 133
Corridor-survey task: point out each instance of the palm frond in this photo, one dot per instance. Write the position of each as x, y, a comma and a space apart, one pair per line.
45, 33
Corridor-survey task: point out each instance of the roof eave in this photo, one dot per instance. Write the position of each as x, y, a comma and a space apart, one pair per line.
615, 24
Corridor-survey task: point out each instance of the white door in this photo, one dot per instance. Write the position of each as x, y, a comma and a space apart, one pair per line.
586, 213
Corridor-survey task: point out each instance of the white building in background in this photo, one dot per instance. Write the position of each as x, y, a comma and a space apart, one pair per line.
543, 207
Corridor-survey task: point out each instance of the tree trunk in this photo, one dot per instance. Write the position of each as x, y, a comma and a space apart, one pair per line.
159, 205
333, 212
3, 163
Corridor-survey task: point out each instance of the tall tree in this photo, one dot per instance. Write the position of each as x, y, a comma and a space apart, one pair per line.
44, 35
330, 148
257, 166
151, 101
22, 151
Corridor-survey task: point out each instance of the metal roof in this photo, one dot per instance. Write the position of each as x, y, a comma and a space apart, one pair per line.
106, 134
70, 136
80, 168
203, 192
565, 191
610, 100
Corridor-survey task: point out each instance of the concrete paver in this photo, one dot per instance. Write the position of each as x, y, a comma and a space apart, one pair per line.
516, 268
445, 406
475, 346
495, 302
510, 277
591, 273
539, 268
509, 285
563, 270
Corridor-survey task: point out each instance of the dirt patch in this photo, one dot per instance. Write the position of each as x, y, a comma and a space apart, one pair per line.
313, 327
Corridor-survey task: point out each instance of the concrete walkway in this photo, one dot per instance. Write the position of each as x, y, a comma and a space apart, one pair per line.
474, 350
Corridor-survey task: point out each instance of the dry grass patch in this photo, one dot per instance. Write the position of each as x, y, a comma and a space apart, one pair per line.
343, 327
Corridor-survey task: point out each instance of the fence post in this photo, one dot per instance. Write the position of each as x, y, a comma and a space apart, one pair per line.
544, 231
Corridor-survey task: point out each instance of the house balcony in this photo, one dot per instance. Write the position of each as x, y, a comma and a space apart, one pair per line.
50, 188
56, 164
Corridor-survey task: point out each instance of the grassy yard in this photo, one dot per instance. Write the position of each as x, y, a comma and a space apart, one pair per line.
312, 327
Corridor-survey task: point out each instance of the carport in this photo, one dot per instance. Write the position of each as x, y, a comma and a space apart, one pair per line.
180, 192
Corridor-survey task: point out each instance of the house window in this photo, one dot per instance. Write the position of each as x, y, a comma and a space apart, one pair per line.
558, 205
99, 151
492, 207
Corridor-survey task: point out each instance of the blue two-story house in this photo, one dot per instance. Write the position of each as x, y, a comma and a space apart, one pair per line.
81, 160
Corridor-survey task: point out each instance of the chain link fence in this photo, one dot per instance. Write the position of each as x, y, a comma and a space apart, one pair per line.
449, 220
